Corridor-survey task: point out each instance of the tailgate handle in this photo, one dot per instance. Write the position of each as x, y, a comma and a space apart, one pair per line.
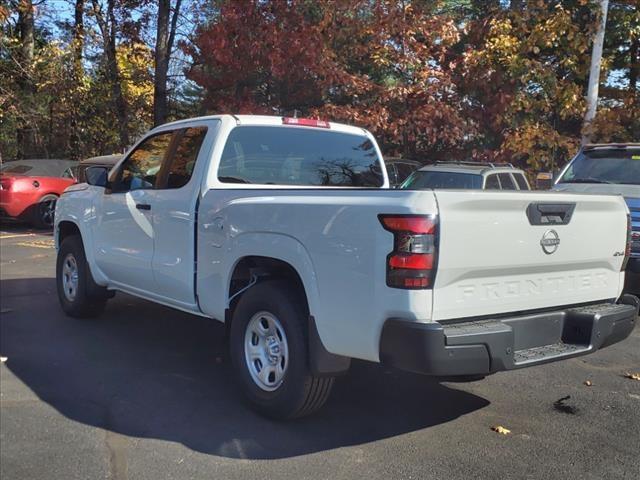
550, 213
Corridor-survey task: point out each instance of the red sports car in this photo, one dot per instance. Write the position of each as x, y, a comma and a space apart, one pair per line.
29, 189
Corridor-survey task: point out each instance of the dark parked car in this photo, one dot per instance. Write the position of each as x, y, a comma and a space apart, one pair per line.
608, 169
399, 169
107, 161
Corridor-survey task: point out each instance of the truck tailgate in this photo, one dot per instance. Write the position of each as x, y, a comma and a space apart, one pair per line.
504, 252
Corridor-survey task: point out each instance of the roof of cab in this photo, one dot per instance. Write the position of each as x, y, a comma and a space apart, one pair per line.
267, 120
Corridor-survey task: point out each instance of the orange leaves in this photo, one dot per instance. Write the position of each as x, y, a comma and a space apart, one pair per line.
501, 430
384, 69
436, 82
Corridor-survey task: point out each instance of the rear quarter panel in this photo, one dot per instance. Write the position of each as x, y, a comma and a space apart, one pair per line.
333, 239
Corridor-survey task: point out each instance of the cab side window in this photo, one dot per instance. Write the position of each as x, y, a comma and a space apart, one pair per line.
507, 182
140, 169
182, 161
521, 181
492, 182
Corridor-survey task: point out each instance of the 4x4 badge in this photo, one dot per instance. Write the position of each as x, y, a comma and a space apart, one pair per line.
550, 241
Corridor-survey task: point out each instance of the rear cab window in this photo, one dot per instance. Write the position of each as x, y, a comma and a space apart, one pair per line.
276, 155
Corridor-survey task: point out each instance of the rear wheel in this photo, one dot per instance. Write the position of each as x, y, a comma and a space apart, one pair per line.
268, 344
44, 212
78, 293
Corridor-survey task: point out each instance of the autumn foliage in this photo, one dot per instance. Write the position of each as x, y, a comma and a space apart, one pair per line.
432, 80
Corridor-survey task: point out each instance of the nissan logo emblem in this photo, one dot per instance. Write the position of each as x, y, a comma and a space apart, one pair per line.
550, 241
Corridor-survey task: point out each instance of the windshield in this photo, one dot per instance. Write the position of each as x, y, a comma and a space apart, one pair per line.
609, 166
432, 179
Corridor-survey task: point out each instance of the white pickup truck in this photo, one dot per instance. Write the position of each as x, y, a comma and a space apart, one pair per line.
285, 230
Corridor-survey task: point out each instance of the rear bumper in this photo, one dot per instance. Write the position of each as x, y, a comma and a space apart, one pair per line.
483, 347
13, 204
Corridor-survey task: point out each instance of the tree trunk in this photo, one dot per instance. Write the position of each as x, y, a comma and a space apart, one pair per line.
26, 27
594, 73
78, 35
24, 133
634, 68
165, 35
78, 72
116, 87
162, 63
108, 31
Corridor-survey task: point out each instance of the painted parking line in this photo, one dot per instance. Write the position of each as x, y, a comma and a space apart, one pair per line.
37, 244
15, 235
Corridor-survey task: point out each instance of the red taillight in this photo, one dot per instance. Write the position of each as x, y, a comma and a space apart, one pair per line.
412, 263
411, 224
6, 182
420, 261
627, 250
305, 122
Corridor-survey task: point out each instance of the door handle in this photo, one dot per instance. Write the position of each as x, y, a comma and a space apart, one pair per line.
143, 206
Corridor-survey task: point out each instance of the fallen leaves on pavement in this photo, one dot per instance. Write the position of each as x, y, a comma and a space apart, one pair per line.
501, 430
38, 244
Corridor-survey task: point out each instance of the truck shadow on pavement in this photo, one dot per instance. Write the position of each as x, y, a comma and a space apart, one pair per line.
147, 371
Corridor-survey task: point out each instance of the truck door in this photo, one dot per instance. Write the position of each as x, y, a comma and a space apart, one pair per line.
173, 210
123, 231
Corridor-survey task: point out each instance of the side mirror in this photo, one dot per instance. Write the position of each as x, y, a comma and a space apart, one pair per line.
97, 176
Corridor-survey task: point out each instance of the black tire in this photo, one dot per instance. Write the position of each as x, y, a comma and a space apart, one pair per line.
89, 298
42, 216
299, 393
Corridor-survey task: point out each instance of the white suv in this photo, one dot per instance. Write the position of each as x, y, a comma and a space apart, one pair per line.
468, 175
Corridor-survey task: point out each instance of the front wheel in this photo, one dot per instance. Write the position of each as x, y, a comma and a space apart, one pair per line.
78, 293
268, 344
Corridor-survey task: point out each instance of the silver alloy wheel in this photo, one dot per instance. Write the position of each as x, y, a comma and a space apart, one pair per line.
70, 277
266, 351
48, 211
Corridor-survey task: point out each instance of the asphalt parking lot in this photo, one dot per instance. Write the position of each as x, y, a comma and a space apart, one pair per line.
145, 392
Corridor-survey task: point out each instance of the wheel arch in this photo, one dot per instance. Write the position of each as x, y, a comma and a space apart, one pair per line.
68, 226
65, 229
251, 269
255, 268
